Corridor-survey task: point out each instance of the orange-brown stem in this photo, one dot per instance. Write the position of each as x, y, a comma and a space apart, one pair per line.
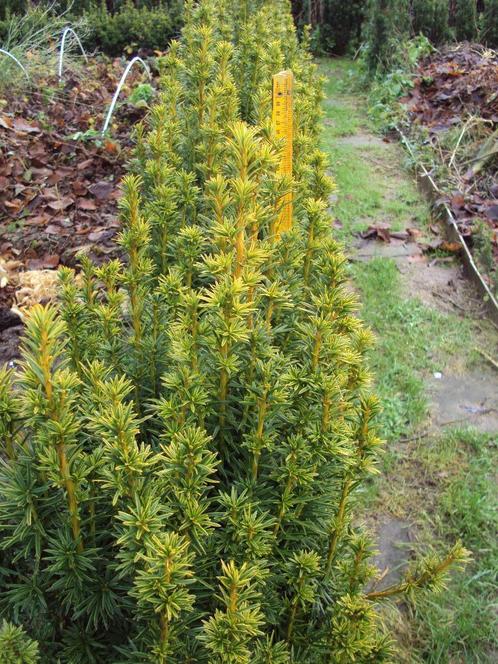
262, 408
339, 525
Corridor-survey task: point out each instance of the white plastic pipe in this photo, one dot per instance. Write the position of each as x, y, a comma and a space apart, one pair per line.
16, 61
120, 85
65, 32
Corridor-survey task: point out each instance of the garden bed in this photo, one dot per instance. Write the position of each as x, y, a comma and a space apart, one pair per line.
453, 120
59, 179
58, 175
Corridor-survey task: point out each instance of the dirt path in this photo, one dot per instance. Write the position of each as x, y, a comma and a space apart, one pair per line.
440, 396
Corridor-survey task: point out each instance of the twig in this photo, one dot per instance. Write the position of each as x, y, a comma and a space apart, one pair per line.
462, 133
487, 357
427, 432
422, 434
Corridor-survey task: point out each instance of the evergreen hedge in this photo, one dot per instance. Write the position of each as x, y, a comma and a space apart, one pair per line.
132, 26
336, 25
490, 23
431, 18
465, 19
111, 28
184, 439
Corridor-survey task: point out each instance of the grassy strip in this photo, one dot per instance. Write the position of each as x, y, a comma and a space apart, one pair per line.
445, 483
368, 175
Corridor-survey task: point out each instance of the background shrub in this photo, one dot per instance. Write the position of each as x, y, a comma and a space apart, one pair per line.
132, 26
465, 20
430, 18
336, 25
109, 27
387, 25
490, 23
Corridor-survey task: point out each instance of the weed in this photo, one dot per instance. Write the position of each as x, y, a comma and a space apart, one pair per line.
142, 95
89, 136
483, 250
384, 108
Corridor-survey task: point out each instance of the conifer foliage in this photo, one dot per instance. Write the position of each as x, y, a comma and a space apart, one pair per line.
387, 23
465, 19
183, 442
490, 23
431, 18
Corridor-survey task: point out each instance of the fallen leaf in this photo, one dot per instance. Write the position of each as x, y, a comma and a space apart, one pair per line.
379, 231
85, 164
491, 212
102, 189
52, 229
414, 232
37, 220
99, 236
400, 235
457, 200
14, 205
49, 261
86, 204
5, 122
61, 203
111, 147
23, 126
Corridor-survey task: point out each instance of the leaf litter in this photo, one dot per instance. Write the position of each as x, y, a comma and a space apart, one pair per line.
454, 101
58, 182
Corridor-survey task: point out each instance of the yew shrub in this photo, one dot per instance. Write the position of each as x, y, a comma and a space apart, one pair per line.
185, 437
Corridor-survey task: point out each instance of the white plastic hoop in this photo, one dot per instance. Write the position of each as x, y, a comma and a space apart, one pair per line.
61, 51
120, 85
2, 50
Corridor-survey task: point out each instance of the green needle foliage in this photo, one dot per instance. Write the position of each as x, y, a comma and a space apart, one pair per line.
490, 23
387, 23
184, 440
431, 18
465, 19
16, 647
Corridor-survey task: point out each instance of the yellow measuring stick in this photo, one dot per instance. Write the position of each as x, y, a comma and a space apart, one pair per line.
282, 123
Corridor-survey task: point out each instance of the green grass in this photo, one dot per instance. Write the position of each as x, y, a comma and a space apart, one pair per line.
370, 185
370, 188
460, 624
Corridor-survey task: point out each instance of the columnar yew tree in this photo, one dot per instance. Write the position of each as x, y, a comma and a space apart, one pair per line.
465, 19
490, 23
430, 18
387, 22
184, 440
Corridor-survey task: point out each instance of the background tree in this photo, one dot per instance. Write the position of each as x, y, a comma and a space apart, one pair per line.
336, 26
430, 18
387, 22
465, 20
490, 23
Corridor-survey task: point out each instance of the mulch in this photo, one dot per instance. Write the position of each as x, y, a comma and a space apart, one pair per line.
58, 191
59, 179
453, 85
